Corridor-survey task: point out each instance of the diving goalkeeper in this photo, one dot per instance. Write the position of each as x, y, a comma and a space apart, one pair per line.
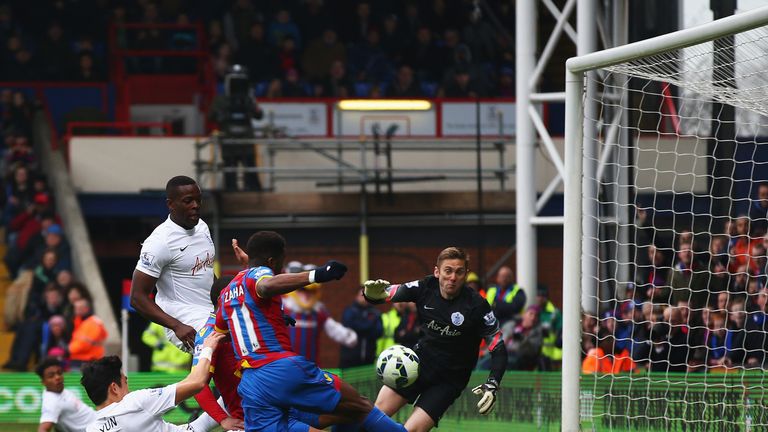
454, 320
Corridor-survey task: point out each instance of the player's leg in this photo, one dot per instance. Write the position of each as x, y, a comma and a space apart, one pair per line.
306, 387
312, 421
353, 406
261, 411
419, 421
389, 402
432, 403
304, 421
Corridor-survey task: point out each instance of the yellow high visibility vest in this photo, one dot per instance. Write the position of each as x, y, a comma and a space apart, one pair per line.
165, 356
549, 346
389, 321
490, 295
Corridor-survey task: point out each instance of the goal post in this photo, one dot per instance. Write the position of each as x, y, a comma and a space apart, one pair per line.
655, 160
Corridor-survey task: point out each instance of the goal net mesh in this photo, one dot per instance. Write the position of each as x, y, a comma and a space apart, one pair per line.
674, 246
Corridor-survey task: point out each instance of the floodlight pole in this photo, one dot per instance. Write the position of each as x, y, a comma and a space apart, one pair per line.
525, 206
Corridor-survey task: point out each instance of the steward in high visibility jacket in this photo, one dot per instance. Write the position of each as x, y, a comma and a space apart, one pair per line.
506, 298
390, 321
165, 356
552, 323
88, 336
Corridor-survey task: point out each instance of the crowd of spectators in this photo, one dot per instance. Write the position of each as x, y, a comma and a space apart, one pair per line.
50, 312
309, 48
698, 303
363, 48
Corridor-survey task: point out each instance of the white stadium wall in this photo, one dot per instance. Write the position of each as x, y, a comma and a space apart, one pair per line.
131, 164
128, 164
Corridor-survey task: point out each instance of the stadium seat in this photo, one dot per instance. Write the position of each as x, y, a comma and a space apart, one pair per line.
260, 89
362, 89
429, 88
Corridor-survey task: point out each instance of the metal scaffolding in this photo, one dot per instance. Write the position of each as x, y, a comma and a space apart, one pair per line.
608, 20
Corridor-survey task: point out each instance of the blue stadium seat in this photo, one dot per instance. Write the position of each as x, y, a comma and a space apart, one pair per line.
260, 89
429, 88
362, 89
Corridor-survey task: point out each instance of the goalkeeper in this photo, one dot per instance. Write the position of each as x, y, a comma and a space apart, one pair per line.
454, 319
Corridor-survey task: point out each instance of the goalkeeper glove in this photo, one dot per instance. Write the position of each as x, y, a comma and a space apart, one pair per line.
487, 393
375, 290
328, 272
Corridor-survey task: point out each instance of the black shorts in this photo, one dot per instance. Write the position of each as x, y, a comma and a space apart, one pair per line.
433, 393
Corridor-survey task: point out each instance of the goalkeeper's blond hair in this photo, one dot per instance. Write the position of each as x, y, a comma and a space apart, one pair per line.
453, 253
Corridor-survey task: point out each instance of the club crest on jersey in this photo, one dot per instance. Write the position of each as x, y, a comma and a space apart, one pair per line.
457, 318
489, 318
147, 259
412, 284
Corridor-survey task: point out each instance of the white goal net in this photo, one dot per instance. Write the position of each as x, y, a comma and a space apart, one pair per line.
666, 221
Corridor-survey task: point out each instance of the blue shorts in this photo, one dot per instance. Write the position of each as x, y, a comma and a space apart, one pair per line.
270, 391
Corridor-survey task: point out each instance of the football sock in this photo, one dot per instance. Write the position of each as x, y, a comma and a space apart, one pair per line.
377, 421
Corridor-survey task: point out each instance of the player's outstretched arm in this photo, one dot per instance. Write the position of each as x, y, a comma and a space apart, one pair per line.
287, 282
487, 391
198, 378
142, 286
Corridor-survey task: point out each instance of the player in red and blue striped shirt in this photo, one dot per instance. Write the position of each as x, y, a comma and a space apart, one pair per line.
275, 379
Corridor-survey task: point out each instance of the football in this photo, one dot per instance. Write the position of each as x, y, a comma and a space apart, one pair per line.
397, 367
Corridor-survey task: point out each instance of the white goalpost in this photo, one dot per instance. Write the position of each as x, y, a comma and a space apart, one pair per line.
666, 146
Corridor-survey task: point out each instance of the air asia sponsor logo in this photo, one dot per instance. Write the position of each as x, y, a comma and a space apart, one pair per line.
412, 284
443, 330
202, 264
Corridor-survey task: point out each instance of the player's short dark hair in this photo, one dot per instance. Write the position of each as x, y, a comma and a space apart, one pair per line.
219, 285
453, 253
45, 364
98, 375
265, 244
176, 182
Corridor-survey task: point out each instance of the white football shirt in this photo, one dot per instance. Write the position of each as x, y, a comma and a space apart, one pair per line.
182, 261
140, 411
66, 410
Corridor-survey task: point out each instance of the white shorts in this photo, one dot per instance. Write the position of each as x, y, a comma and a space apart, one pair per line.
196, 324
